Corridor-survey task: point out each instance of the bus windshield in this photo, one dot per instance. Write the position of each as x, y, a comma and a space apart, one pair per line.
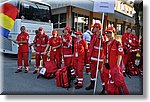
35, 11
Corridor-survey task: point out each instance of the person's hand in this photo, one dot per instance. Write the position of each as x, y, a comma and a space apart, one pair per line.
15, 42
64, 40
9, 38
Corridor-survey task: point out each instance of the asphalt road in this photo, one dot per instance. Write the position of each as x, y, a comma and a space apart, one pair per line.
27, 83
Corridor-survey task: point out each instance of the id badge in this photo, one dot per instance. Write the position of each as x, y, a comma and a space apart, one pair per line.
54, 50
130, 41
76, 55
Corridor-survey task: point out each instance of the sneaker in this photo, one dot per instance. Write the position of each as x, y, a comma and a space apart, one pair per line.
78, 87
18, 70
35, 71
26, 70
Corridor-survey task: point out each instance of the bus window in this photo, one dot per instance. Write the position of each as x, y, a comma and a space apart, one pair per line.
35, 11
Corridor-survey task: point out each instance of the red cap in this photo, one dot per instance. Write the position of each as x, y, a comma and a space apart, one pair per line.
78, 33
40, 28
67, 28
111, 29
54, 32
97, 25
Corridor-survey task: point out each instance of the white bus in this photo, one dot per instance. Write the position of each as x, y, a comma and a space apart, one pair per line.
32, 15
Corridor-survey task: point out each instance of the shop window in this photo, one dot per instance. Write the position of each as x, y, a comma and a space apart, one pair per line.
119, 29
59, 20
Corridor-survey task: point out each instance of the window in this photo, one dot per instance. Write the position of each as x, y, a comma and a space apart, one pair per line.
119, 29
35, 11
59, 20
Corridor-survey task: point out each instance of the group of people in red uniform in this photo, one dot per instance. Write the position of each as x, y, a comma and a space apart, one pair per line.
109, 50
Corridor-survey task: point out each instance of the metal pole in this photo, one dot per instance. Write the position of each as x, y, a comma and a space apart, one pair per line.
99, 54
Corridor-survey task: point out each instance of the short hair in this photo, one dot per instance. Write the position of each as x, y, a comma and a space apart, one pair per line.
36, 31
86, 27
22, 27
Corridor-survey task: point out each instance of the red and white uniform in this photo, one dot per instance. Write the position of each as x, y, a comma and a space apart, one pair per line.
55, 54
125, 43
80, 50
23, 50
67, 50
134, 44
40, 42
93, 55
112, 50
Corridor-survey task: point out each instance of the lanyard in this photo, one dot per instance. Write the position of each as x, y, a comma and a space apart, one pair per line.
107, 50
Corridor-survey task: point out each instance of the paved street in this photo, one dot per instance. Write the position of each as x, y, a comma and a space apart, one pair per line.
26, 83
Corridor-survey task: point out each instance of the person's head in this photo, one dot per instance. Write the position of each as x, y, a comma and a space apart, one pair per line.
22, 29
54, 33
86, 28
133, 31
41, 30
67, 30
73, 30
36, 31
96, 27
128, 30
110, 32
78, 34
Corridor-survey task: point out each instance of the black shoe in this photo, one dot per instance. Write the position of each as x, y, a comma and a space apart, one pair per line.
75, 83
26, 71
18, 70
91, 86
103, 91
78, 87
35, 71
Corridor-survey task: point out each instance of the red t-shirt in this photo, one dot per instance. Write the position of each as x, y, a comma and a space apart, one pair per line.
112, 51
23, 37
55, 42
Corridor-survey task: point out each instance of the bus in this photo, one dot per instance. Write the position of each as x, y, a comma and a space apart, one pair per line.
32, 15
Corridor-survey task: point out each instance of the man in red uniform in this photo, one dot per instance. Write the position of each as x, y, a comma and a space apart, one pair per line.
134, 44
55, 43
67, 47
125, 42
113, 56
40, 42
80, 51
93, 54
22, 41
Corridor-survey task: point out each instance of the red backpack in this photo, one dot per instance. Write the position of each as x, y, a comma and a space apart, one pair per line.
62, 77
49, 70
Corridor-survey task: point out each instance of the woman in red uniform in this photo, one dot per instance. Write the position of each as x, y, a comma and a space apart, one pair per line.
55, 48
80, 50
113, 56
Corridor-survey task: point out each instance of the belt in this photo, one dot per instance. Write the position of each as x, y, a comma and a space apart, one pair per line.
39, 52
96, 59
68, 55
95, 47
41, 45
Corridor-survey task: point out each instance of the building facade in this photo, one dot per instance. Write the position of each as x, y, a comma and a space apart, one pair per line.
78, 13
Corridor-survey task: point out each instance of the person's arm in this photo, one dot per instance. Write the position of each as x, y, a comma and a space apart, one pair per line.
56, 46
119, 60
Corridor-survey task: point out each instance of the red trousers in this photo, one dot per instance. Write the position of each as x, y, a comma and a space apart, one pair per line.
67, 56
78, 66
38, 58
22, 56
132, 56
68, 61
56, 57
93, 66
